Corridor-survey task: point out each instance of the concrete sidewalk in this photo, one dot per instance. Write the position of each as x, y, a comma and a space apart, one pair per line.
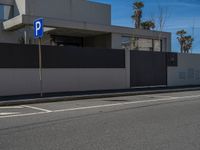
71, 96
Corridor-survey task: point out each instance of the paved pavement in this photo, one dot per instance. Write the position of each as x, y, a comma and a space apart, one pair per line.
168, 121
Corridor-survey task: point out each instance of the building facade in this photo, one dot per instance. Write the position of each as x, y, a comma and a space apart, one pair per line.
78, 23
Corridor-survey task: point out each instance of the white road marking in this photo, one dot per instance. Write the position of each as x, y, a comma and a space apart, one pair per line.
117, 104
8, 113
37, 108
23, 115
173, 99
11, 107
161, 96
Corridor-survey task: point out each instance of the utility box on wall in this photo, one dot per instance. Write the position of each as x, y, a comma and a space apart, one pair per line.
172, 59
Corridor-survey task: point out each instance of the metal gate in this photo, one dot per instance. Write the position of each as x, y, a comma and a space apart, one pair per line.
148, 68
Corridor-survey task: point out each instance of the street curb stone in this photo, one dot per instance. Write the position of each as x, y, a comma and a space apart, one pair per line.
91, 96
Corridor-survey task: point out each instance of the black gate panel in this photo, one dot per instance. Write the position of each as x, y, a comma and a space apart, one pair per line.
26, 56
148, 68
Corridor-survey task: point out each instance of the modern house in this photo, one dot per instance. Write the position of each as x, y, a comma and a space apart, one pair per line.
88, 52
79, 23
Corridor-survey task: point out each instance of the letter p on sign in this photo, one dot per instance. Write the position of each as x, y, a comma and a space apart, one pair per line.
38, 28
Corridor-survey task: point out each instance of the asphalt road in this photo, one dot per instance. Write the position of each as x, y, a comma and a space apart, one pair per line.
168, 121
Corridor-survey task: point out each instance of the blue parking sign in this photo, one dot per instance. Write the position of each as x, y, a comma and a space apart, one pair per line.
38, 28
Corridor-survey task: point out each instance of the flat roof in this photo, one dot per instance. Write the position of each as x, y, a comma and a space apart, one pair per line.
20, 21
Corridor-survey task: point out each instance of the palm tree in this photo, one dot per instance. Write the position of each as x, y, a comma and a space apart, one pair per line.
137, 6
148, 25
181, 38
184, 41
188, 43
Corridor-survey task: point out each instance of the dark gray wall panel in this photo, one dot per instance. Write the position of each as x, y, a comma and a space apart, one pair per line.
18, 56
64, 57
26, 56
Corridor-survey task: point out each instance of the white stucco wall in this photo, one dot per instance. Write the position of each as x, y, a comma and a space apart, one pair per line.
26, 81
187, 72
19, 81
56, 80
116, 41
74, 10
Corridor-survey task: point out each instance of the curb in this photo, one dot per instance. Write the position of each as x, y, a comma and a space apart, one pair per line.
91, 96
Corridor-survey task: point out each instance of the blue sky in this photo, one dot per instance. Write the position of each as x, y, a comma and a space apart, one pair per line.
182, 14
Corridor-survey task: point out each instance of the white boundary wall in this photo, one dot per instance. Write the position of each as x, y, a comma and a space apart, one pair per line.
26, 81
187, 72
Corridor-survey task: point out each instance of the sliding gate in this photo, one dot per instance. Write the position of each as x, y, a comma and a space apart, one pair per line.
148, 68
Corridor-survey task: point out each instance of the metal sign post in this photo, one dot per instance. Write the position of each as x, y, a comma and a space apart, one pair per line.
40, 67
38, 33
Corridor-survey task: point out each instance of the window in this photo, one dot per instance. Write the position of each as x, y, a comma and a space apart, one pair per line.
145, 44
142, 44
157, 45
126, 42
6, 12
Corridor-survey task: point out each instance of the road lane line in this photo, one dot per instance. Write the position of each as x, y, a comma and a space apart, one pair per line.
23, 115
11, 107
164, 96
8, 113
173, 99
111, 105
125, 103
37, 108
